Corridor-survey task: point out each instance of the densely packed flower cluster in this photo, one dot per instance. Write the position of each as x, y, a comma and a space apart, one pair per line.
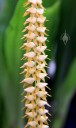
34, 67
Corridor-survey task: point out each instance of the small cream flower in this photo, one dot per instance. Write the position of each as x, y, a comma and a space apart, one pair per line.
40, 11
41, 94
30, 106
31, 71
41, 29
30, 45
29, 80
30, 97
30, 89
30, 36
41, 20
31, 27
31, 20
29, 55
31, 114
41, 39
41, 75
42, 57
43, 119
42, 111
41, 85
41, 103
30, 64
41, 66
41, 48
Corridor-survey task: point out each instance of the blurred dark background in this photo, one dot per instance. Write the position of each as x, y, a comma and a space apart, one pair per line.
62, 43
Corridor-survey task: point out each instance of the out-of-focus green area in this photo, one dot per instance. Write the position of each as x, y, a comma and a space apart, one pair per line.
62, 16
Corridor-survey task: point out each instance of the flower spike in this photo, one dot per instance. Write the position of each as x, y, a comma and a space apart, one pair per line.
34, 66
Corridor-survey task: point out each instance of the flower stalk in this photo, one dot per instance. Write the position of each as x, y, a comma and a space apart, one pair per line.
34, 67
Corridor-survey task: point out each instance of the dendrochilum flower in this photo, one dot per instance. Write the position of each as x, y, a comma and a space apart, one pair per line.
34, 65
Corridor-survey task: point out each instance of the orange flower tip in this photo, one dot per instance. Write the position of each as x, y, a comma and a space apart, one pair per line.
30, 89
25, 14
25, 23
22, 38
25, 4
21, 47
23, 58
22, 93
24, 116
22, 73
23, 108
22, 82
46, 34
23, 100
23, 30
26, 126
